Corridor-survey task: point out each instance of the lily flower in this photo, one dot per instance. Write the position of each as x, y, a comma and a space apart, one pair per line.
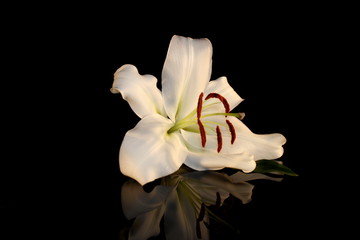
189, 121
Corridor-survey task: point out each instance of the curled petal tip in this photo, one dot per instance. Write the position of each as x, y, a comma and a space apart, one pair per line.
114, 90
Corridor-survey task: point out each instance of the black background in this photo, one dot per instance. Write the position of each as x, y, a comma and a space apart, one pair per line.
68, 127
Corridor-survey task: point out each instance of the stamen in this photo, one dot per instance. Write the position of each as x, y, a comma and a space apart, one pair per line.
199, 105
202, 212
218, 200
198, 229
221, 98
232, 131
200, 218
219, 138
231, 199
202, 133
198, 114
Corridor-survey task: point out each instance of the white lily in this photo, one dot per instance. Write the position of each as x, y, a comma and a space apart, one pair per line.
188, 122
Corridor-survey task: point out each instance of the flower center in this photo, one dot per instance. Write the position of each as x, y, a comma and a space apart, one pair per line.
197, 118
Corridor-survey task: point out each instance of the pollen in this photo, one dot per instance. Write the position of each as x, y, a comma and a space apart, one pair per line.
199, 105
200, 219
221, 98
202, 133
218, 200
198, 229
205, 124
232, 131
201, 125
202, 212
219, 138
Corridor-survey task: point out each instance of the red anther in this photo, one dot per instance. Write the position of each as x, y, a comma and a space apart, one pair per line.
198, 229
198, 114
202, 212
218, 200
202, 133
221, 98
232, 131
219, 138
199, 105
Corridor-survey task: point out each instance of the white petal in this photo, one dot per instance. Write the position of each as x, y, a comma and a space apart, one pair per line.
140, 91
261, 146
148, 152
180, 216
135, 201
147, 225
193, 141
208, 183
215, 161
185, 75
222, 87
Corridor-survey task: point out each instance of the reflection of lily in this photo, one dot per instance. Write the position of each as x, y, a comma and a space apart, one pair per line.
189, 121
181, 200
